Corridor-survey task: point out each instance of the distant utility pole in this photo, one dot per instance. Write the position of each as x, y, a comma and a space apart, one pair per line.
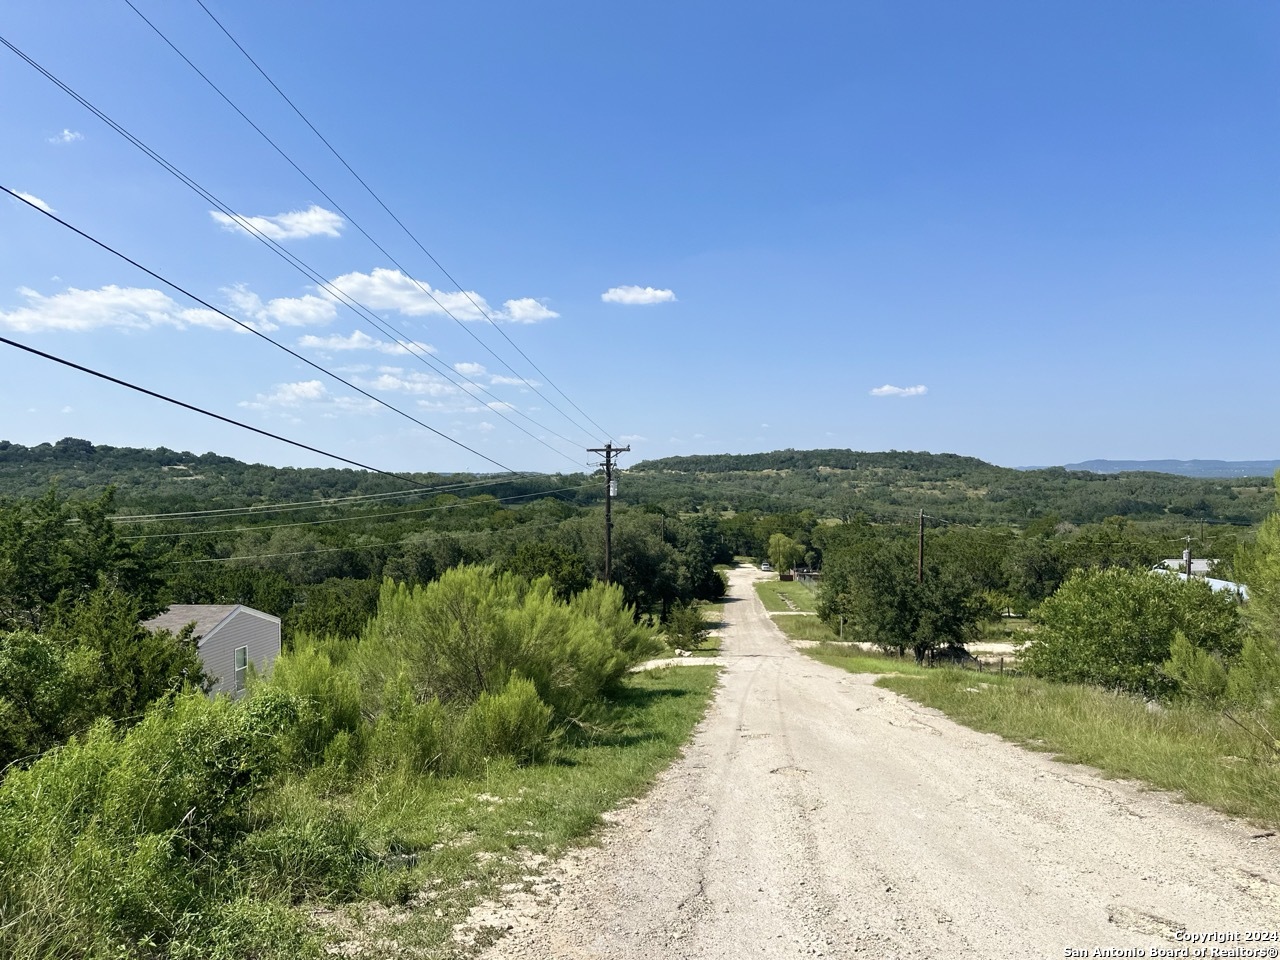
610, 491
1186, 556
920, 552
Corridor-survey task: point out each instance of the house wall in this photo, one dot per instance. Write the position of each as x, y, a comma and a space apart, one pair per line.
218, 648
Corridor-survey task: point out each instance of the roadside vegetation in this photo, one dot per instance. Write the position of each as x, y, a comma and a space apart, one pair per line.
1181, 747
809, 630
359, 772
775, 594
454, 699
1140, 674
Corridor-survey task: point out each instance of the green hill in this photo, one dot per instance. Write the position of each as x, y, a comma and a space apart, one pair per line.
962, 489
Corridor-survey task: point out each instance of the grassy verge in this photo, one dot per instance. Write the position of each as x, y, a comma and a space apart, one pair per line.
856, 660
1007, 630
1185, 749
773, 592
462, 840
806, 629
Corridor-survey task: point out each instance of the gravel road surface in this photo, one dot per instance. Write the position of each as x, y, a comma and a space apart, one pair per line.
816, 815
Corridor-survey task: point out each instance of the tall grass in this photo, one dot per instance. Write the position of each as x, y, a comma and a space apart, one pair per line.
1185, 748
349, 775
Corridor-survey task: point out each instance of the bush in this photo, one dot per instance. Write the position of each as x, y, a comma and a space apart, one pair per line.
34, 688
327, 700
469, 632
686, 627
512, 723
409, 736
111, 840
1115, 628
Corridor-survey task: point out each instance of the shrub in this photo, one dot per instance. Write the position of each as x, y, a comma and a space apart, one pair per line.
409, 736
450, 636
34, 688
512, 723
686, 627
1115, 628
114, 840
469, 632
327, 700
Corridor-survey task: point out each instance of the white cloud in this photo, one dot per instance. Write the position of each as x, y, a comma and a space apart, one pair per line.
386, 289
499, 406
359, 340
383, 289
67, 136
308, 393
68, 409
632, 438
315, 221
397, 380
484, 425
32, 199
527, 310
129, 308
888, 390
305, 311
500, 380
469, 369
634, 296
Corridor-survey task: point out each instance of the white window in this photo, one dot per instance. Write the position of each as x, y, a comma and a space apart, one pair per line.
242, 667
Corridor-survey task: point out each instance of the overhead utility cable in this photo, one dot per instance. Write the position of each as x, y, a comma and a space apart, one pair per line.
358, 499
357, 518
207, 413
401, 339
257, 333
424, 288
405, 541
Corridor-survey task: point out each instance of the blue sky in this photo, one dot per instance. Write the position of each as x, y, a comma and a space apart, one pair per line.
1050, 230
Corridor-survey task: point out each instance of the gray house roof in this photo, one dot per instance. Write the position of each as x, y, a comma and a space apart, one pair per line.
206, 616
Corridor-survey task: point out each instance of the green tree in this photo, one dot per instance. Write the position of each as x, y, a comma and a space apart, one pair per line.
871, 581
117, 666
336, 608
784, 553
1258, 566
686, 627
34, 693
1115, 628
539, 558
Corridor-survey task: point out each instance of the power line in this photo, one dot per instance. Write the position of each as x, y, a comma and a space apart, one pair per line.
370, 546
409, 233
287, 507
207, 413
425, 289
350, 519
255, 331
364, 313
278, 149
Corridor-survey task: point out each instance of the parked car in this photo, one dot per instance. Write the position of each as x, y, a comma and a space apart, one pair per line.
766, 566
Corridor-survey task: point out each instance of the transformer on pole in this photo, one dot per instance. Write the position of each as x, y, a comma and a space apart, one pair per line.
610, 491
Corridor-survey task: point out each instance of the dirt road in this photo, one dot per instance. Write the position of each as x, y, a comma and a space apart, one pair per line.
816, 815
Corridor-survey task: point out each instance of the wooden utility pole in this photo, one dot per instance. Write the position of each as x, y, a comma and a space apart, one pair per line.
1186, 556
920, 551
610, 489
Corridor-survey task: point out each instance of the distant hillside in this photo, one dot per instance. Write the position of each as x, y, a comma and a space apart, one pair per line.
1183, 468
897, 483
832, 483
163, 479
